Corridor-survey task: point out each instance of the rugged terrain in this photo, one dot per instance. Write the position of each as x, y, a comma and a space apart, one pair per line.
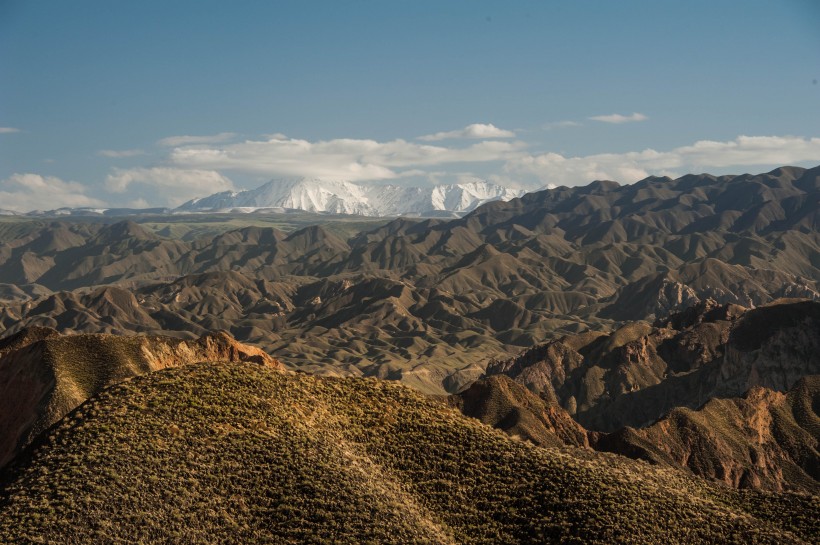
728, 393
674, 322
766, 439
238, 453
639, 372
427, 302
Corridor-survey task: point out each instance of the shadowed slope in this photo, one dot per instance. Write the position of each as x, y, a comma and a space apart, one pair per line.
508, 406
765, 439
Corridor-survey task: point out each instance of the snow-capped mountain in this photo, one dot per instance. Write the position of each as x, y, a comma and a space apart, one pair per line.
341, 197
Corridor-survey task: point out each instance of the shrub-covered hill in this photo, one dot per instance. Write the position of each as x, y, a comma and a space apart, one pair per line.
237, 453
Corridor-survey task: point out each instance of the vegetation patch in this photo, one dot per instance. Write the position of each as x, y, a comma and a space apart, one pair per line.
238, 453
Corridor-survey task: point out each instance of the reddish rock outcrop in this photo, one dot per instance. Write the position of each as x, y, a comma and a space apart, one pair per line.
44, 375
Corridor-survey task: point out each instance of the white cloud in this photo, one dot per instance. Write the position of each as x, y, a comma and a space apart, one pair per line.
168, 186
185, 140
560, 125
120, 153
744, 151
26, 192
8, 130
618, 118
346, 158
476, 131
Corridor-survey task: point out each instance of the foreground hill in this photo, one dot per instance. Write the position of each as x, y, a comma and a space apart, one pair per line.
237, 453
44, 375
428, 302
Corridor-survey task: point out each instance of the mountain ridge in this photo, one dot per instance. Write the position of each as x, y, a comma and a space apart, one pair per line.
344, 197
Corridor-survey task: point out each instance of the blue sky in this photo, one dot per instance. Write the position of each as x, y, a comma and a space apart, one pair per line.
154, 102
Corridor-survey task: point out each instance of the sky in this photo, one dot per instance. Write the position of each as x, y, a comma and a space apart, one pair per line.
151, 103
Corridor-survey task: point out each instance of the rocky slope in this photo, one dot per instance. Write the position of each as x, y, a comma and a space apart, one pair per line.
236, 453
639, 372
45, 375
766, 439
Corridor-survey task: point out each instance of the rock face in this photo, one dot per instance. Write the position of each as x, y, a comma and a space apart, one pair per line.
639, 373
765, 439
44, 375
772, 347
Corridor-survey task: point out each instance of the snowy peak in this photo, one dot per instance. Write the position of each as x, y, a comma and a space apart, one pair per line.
342, 197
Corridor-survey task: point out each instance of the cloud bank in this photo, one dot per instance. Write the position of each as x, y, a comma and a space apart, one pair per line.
8, 130
203, 165
26, 192
168, 186
340, 159
742, 152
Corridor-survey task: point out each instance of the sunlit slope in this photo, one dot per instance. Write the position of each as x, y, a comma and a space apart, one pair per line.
237, 453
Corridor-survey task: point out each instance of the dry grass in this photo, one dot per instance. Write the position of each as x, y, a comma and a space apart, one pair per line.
235, 453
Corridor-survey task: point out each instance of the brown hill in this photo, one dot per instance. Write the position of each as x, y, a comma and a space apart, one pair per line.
508, 406
44, 375
235, 453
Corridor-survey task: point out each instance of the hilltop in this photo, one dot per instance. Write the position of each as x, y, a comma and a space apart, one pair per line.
237, 453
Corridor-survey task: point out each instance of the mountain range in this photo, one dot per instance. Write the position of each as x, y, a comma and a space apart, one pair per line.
648, 354
343, 197
426, 301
